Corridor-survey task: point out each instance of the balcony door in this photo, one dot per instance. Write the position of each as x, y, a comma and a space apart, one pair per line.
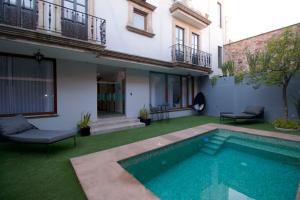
179, 50
75, 19
195, 49
21, 13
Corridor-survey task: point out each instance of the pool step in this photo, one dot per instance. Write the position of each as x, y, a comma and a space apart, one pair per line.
213, 144
219, 137
208, 151
264, 147
214, 141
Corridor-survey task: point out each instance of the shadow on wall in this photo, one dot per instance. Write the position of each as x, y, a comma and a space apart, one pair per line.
225, 95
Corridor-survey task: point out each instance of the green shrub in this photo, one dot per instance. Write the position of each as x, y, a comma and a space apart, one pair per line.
143, 113
214, 80
228, 68
85, 120
286, 124
239, 77
224, 69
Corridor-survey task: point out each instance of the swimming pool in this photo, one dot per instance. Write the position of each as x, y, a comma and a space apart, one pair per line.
221, 164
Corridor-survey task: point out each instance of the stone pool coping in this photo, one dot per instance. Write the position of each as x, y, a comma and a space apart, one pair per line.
101, 177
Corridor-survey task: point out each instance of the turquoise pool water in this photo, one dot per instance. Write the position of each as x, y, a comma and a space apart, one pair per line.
220, 165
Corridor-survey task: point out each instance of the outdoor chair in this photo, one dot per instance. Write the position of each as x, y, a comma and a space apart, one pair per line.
250, 113
18, 129
155, 111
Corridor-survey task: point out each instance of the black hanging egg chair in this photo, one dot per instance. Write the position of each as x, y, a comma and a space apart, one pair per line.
199, 103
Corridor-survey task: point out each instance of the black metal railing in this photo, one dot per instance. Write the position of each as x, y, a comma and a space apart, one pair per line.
186, 54
53, 18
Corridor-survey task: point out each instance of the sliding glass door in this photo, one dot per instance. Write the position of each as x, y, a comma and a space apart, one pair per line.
173, 90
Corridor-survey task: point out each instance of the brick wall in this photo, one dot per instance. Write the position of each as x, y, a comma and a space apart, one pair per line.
236, 50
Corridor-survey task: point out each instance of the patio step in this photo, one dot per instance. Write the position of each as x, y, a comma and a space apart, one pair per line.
112, 121
113, 124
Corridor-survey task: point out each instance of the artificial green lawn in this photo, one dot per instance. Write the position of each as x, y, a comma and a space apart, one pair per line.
26, 172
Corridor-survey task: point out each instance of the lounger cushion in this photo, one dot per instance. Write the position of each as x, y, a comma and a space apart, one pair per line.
41, 136
255, 110
238, 116
14, 125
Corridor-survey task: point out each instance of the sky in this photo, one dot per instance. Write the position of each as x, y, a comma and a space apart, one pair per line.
246, 18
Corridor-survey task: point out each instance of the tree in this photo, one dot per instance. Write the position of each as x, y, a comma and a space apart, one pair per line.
276, 63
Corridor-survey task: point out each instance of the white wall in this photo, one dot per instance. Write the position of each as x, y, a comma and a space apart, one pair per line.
137, 91
120, 39
181, 113
76, 93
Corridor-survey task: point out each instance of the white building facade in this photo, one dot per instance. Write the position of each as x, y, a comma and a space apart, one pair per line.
60, 58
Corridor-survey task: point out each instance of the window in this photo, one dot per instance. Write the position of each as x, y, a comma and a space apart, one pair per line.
139, 19
190, 91
184, 91
220, 56
195, 41
179, 37
195, 48
175, 90
75, 10
220, 14
23, 3
27, 86
157, 89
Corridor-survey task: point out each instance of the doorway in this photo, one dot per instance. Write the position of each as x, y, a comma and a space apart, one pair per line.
75, 19
110, 92
21, 13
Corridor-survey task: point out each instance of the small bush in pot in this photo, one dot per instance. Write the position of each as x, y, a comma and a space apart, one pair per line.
286, 125
83, 124
145, 116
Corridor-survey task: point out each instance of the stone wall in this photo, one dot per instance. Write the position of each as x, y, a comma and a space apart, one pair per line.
236, 50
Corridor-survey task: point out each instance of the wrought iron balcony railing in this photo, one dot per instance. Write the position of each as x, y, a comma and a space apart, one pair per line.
185, 54
53, 18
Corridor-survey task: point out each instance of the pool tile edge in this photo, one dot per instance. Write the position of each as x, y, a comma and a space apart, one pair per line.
101, 177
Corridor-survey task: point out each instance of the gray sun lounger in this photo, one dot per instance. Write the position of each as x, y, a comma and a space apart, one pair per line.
18, 129
250, 113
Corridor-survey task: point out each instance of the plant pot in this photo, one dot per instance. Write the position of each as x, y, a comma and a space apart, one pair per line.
85, 131
147, 122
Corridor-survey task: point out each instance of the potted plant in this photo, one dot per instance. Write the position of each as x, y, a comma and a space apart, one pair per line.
83, 124
145, 116
286, 125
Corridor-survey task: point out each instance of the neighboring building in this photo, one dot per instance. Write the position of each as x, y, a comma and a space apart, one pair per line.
59, 58
236, 51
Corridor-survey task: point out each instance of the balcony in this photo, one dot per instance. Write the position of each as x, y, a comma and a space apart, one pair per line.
43, 17
188, 55
183, 12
